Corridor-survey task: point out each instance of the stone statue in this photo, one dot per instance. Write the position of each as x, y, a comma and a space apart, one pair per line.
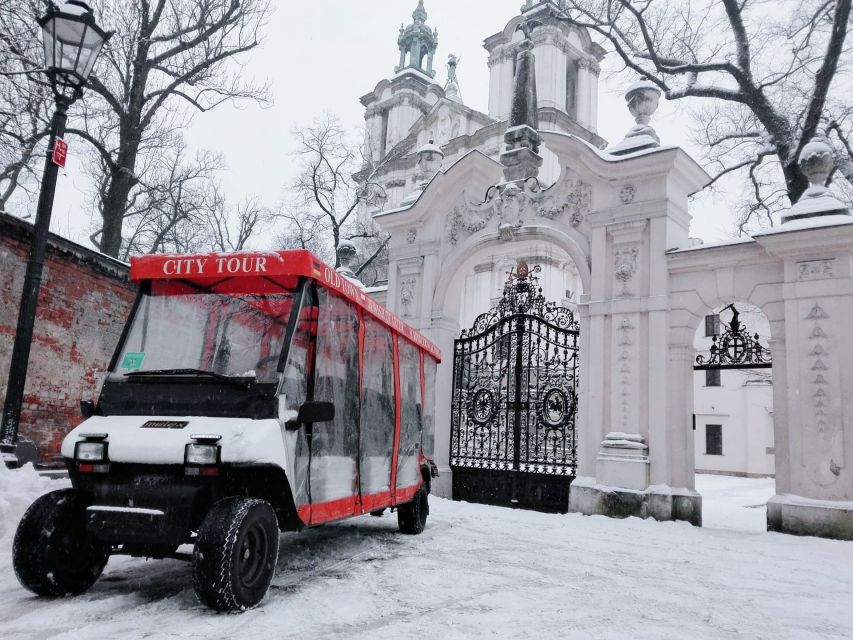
452, 64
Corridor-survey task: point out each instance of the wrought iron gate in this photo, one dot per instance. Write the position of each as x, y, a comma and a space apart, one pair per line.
515, 401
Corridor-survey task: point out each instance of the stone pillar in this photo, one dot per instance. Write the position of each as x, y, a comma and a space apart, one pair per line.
636, 381
815, 241
443, 333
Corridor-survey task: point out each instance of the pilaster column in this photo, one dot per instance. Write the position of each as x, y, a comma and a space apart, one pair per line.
583, 93
595, 71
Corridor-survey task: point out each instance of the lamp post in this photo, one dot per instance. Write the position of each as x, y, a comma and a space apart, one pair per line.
72, 41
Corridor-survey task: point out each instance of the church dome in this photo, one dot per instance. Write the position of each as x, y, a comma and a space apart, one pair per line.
418, 42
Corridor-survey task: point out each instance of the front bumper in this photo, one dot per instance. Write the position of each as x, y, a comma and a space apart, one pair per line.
148, 507
120, 516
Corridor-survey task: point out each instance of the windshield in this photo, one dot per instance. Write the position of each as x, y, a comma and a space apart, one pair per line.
180, 330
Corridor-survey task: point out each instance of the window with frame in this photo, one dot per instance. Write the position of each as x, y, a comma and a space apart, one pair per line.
713, 439
712, 325
712, 378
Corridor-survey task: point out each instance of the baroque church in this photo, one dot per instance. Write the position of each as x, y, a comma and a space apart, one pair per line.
418, 124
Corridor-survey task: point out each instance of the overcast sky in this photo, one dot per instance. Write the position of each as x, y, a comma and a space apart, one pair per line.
323, 55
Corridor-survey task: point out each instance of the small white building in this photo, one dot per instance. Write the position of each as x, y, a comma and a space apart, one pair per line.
733, 408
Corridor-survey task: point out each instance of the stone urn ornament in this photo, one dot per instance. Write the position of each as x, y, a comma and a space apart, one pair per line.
643, 100
817, 162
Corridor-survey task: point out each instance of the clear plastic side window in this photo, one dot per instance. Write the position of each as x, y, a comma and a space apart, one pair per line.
294, 393
411, 419
428, 441
377, 409
334, 472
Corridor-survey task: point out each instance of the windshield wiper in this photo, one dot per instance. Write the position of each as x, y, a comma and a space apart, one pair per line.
200, 373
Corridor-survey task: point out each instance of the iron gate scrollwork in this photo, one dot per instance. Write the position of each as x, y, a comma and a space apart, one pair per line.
735, 348
515, 401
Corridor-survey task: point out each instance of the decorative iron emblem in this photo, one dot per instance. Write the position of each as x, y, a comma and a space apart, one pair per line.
555, 407
735, 349
522, 295
482, 407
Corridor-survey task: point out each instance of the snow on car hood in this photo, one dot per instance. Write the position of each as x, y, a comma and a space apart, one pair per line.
243, 441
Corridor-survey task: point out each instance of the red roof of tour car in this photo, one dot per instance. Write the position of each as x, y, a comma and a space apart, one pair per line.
206, 270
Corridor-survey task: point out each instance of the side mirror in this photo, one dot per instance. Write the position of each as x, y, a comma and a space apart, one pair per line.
312, 412
87, 408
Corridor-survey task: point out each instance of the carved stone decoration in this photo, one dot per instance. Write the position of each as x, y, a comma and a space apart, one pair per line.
628, 193
568, 195
626, 360
815, 270
515, 204
625, 266
412, 236
827, 435
408, 287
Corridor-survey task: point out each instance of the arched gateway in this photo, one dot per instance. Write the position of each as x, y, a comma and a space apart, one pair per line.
621, 216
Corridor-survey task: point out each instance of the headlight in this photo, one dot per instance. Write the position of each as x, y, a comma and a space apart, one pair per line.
201, 454
87, 451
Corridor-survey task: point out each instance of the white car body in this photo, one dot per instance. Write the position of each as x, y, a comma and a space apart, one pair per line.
243, 442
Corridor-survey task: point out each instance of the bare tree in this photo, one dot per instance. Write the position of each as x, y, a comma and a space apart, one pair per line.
323, 201
25, 100
770, 69
181, 208
167, 60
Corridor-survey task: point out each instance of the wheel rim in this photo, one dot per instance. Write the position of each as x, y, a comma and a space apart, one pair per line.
253, 551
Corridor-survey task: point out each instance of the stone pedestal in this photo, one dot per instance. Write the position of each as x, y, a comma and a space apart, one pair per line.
623, 461
621, 486
659, 502
804, 517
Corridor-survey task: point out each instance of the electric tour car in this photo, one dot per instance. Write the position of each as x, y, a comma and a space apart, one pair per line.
249, 394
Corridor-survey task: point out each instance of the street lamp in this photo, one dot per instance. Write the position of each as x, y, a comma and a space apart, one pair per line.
72, 41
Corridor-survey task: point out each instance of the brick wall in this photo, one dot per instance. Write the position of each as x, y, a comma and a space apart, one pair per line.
84, 301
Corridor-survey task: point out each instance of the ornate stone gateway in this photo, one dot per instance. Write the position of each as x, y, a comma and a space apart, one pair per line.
515, 401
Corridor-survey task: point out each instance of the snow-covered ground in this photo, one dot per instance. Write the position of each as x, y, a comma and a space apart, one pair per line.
484, 572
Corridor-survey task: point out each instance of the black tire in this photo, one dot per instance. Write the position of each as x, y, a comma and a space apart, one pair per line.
53, 554
235, 555
412, 516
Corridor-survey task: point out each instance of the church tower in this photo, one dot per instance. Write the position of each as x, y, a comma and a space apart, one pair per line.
396, 104
418, 42
567, 69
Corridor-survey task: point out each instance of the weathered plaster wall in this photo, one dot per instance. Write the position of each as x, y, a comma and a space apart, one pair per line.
84, 300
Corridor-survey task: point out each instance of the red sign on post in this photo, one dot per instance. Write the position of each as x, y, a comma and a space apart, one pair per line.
60, 152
